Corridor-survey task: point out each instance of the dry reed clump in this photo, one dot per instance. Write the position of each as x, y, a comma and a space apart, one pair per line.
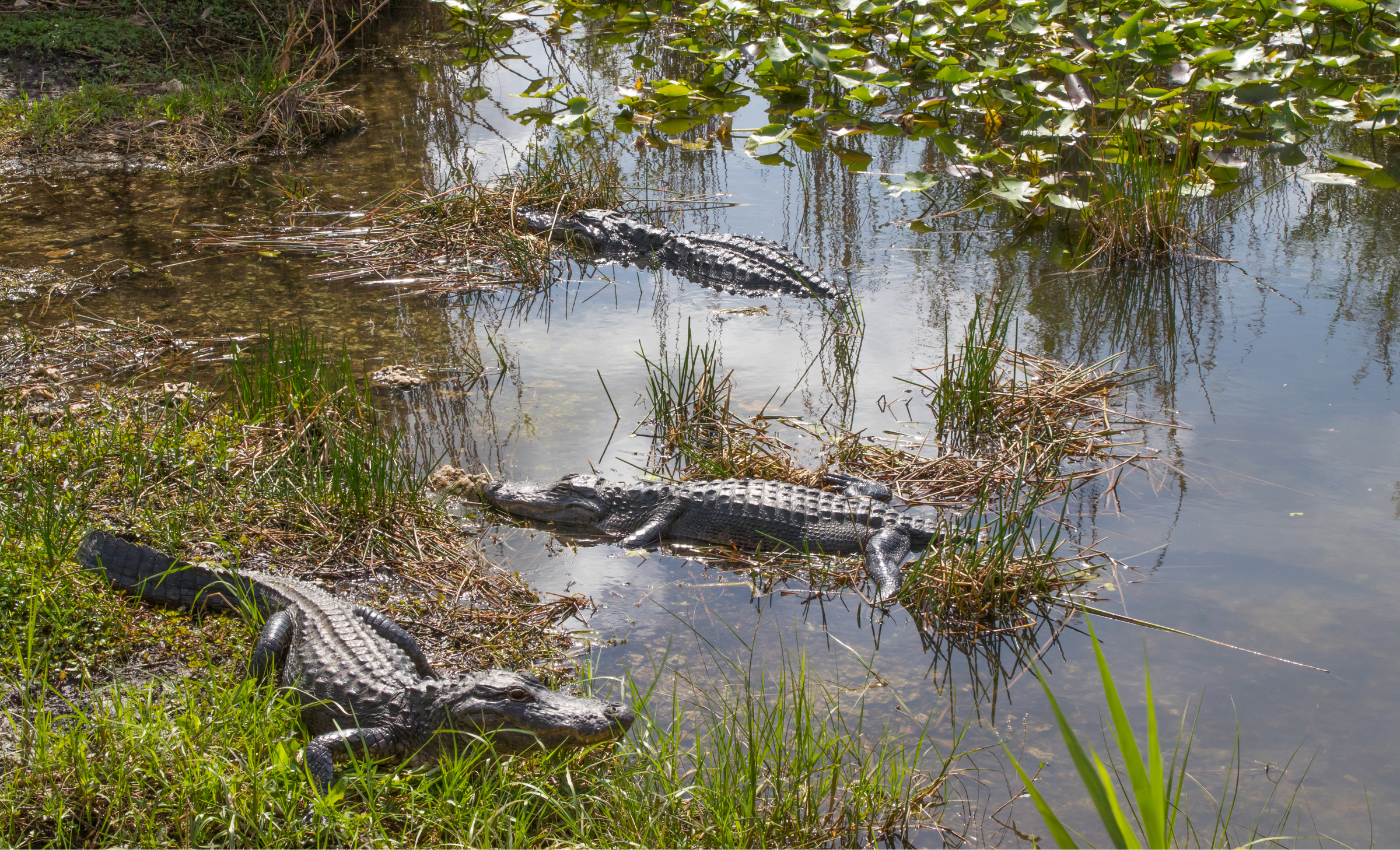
463, 238
1036, 416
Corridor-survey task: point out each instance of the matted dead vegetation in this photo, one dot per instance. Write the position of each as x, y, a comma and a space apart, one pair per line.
1013, 434
463, 238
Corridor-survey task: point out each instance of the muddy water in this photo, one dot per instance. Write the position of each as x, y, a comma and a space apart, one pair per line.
1274, 528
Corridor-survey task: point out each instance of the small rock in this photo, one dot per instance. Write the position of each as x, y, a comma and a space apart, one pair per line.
457, 482
397, 377
44, 414
22, 4
171, 86
177, 393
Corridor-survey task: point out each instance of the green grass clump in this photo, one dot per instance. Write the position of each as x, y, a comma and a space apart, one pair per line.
776, 760
250, 79
1152, 808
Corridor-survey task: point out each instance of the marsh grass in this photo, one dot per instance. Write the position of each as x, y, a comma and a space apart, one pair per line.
1006, 425
255, 82
464, 238
333, 437
291, 469
697, 435
1149, 202
725, 752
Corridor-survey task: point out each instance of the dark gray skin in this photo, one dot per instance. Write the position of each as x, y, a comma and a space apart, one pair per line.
745, 512
733, 263
363, 681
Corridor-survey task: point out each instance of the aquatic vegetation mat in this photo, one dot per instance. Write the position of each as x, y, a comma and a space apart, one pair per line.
1118, 120
1013, 435
466, 237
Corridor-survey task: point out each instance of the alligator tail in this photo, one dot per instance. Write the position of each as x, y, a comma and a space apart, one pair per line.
156, 577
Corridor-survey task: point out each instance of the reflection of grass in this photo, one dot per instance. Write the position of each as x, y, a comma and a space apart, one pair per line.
1154, 797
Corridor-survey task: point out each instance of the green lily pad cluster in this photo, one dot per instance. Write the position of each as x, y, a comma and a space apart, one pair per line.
1034, 100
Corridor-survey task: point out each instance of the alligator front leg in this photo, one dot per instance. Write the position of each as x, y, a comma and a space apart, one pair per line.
885, 552
656, 525
394, 633
321, 752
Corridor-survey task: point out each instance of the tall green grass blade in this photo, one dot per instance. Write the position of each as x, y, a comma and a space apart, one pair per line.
1100, 793
1058, 831
1147, 788
1124, 828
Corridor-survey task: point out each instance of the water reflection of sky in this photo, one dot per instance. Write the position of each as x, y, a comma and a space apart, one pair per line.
1275, 530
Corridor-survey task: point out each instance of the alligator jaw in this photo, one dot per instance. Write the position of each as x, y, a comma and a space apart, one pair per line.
518, 712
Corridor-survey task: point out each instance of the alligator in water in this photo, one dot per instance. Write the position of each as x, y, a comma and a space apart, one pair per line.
746, 512
725, 261
364, 683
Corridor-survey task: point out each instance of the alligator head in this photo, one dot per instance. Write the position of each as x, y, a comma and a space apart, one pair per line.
573, 499
517, 712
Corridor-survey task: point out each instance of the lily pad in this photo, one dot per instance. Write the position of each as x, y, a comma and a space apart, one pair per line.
1350, 160
1331, 178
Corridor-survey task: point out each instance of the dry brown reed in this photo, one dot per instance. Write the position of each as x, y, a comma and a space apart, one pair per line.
1041, 415
463, 238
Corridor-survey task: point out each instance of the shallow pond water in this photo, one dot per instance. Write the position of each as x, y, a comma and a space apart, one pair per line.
1272, 525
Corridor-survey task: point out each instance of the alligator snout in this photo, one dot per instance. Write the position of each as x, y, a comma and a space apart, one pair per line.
563, 502
621, 715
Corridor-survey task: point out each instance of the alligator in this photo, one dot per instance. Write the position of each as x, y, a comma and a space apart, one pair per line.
364, 684
725, 261
745, 512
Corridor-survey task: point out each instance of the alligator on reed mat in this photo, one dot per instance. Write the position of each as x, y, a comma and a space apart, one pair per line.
363, 681
745, 512
733, 263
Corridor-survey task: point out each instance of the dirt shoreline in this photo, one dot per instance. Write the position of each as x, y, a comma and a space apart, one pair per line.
177, 84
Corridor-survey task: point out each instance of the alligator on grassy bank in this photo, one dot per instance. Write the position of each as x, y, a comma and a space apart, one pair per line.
744, 264
363, 681
746, 512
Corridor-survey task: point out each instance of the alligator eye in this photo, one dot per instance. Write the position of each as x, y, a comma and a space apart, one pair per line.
519, 694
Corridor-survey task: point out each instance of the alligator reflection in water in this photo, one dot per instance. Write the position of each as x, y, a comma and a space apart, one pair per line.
364, 683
